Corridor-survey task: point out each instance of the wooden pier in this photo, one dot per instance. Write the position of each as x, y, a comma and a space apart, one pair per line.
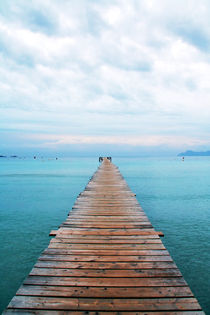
106, 258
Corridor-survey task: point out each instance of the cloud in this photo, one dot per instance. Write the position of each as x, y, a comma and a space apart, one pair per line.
54, 140
88, 68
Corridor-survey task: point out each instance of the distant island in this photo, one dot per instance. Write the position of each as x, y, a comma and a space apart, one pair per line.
194, 153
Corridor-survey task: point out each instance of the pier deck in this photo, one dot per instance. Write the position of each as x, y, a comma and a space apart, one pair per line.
106, 258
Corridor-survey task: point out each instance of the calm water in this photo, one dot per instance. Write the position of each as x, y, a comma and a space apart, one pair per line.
36, 195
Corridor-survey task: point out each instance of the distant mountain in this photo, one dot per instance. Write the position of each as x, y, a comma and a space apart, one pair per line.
194, 153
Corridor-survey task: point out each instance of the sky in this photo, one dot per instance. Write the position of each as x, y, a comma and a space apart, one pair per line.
104, 76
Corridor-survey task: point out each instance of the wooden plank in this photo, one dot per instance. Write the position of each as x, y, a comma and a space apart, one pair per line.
113, 258
106, 246
110, 222
122, 224
105, 226
53, 232
123, 216
105, 282
109, 242
122, 232
107, 219
106, 265
103, 304
104, 213
57, 312
113, 252
120, 273
102, 292
108, 210
109, 237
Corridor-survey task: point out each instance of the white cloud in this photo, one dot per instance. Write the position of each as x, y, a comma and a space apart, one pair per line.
107, 67
55, 140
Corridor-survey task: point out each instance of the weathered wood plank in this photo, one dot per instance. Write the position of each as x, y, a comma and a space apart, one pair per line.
105, 226
63, 257
107, 219
105, 265
66, 312
106, 246
108, 237
109, 292
121, 232
122, 273
105, 282
126, 223
105, 252
64, 303
109, 242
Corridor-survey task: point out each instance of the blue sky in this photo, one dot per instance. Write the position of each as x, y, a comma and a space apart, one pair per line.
118, 76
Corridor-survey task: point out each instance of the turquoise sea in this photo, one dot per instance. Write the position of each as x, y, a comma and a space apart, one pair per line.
36, 195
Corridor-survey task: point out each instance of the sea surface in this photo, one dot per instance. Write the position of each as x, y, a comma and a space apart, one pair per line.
36, 196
